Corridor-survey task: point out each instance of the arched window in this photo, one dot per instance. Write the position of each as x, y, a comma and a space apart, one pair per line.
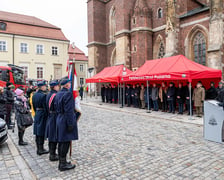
161, 53
112, 24
160, 13
199, 45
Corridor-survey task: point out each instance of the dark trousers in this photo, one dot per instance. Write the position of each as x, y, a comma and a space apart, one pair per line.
129, 101
164, 104
171, 106
155, 105
137, 102
103, 98
8, 114
188, 107
63, 148
181, 107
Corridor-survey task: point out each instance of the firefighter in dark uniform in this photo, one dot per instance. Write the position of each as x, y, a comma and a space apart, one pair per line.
40, 118
67, 129
50, 132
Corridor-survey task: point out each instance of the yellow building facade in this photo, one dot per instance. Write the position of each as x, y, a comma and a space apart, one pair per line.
40, 48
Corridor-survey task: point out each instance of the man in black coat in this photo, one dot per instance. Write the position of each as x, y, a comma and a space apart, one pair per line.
103, 92
133, 96
188, 100
81, 92
137, 96
211, 93
51, 121
40, 119
9, 104
128, 95
171, 97
180, 94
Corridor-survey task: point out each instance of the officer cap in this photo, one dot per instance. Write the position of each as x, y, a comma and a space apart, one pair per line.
54, 83
64, 81
41, 83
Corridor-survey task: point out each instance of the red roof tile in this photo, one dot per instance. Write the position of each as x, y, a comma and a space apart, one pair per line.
77, 53
22, 25
20, 18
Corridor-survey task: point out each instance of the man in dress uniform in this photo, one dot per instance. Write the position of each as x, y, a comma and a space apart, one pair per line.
40, 118
67, 129
51, 121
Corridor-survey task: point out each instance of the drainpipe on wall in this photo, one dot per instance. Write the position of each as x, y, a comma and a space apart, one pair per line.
13, 50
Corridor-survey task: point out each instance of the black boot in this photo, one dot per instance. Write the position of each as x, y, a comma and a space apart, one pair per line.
64, 165
41, 150
63, 150
52, 147
40, 146
21, 142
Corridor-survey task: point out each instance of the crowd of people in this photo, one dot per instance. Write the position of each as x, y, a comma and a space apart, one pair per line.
166, 98
53, 114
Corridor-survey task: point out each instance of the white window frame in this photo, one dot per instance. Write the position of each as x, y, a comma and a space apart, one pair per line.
37, 49
5, 45
40, 66
81, 68
20, 47
54, 50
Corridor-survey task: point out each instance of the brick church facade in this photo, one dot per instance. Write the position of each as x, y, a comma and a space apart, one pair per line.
130, 32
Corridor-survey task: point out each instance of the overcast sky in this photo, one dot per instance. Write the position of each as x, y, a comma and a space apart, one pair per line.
69, 15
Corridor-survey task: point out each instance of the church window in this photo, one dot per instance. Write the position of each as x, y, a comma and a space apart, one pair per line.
199, 46
112, 22
160, 13
134, 20
161, 50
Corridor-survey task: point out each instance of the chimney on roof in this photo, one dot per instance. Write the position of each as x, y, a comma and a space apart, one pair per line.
73, 45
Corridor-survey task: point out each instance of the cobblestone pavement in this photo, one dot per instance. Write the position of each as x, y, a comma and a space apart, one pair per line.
12, 165
120, 146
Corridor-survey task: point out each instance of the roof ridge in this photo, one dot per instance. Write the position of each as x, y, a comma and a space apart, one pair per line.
25, 19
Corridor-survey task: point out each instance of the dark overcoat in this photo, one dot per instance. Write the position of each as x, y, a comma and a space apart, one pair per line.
3, 104
52, 116
40, 119
65, 105
21, 112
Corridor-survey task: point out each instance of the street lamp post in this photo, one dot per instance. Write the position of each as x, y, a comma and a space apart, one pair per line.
90, 70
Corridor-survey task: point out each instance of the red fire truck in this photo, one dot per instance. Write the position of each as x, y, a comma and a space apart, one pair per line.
13, 74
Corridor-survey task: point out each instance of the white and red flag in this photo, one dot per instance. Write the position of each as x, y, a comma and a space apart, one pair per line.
73, 78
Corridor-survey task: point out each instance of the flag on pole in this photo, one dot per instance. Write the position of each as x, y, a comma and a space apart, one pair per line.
73, 78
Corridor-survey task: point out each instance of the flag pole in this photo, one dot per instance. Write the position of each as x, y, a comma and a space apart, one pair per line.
72, 87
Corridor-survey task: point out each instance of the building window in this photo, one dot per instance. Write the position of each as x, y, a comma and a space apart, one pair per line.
160, 13
81, 81
199, 45
161, 53
23, 48
81, 68
2, 45
3, 26
54, 50
134, 20
25, 70
40, 49
40, 73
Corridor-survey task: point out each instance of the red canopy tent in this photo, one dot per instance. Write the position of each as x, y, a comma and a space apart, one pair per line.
111, 74
173, 68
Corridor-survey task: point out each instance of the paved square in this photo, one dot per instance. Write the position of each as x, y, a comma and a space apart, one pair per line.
120, 145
